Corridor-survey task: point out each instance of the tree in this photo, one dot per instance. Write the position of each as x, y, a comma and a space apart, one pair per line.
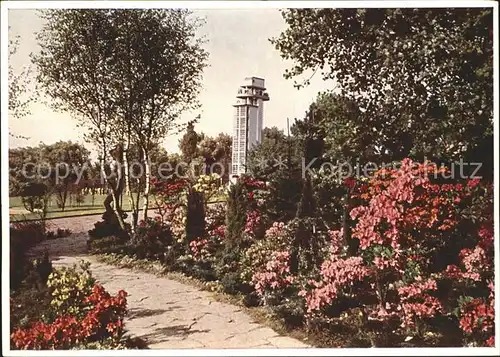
158, 72
421, 77
275, 145
92, 180
134, 176
75, 69
188, 144
277, 160
216, 153
21, 93
127, 74
57, 169
29, 178
22, 168
68, 161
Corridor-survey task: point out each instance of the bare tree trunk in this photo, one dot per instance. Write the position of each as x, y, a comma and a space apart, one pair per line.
147, 184
135, 215
133, 205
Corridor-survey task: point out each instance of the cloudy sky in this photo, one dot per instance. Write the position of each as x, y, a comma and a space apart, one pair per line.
238, 46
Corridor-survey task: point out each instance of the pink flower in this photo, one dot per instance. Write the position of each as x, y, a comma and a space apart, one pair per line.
276, 274
336, 273
473, 183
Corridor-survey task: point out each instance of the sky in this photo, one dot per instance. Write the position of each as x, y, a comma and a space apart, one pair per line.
238, 46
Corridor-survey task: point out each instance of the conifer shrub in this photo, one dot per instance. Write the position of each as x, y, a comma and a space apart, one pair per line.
195, 215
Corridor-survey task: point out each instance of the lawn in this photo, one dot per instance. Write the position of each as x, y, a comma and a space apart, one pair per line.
18, 212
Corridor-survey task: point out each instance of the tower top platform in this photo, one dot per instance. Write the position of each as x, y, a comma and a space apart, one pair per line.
254, 82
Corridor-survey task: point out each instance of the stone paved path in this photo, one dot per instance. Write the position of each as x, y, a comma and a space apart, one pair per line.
164, 313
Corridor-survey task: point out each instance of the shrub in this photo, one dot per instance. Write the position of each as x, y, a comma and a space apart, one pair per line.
102, 321
79, 312
38, 271
227, 269
412, 233
70, 287
308, 245
277, 238
22, 302
152, 239
231, 283
169, 191
23, 236
236, 214
283, 194
33, 289
105, 244
272, 282
209, 185
171, 211
204, 249
195, 215
34, 196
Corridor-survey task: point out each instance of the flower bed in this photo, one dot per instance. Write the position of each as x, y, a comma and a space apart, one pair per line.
73, 312
411, 265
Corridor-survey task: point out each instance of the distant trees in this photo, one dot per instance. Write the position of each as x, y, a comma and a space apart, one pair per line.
69, 162
277, 160
212, 153
216, 154
37, 173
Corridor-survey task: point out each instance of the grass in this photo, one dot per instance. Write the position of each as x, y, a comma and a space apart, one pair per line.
87, 207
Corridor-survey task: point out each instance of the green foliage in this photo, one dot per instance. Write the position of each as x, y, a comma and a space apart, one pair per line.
22, 303
195, 215
21, 91
142, 69
285, 181
216, 152
39, 271
307, 205
236, 214
35, 196
110, 344
103, 244
210, 186
59, 233
153, 240
188, 143
309, 245
38, 172
70, 286
23, 236
278, 238
425, 83
231, 283
66, 160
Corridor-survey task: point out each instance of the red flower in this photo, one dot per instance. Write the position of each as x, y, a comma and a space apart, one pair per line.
473, 183
104, 319
350, 182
